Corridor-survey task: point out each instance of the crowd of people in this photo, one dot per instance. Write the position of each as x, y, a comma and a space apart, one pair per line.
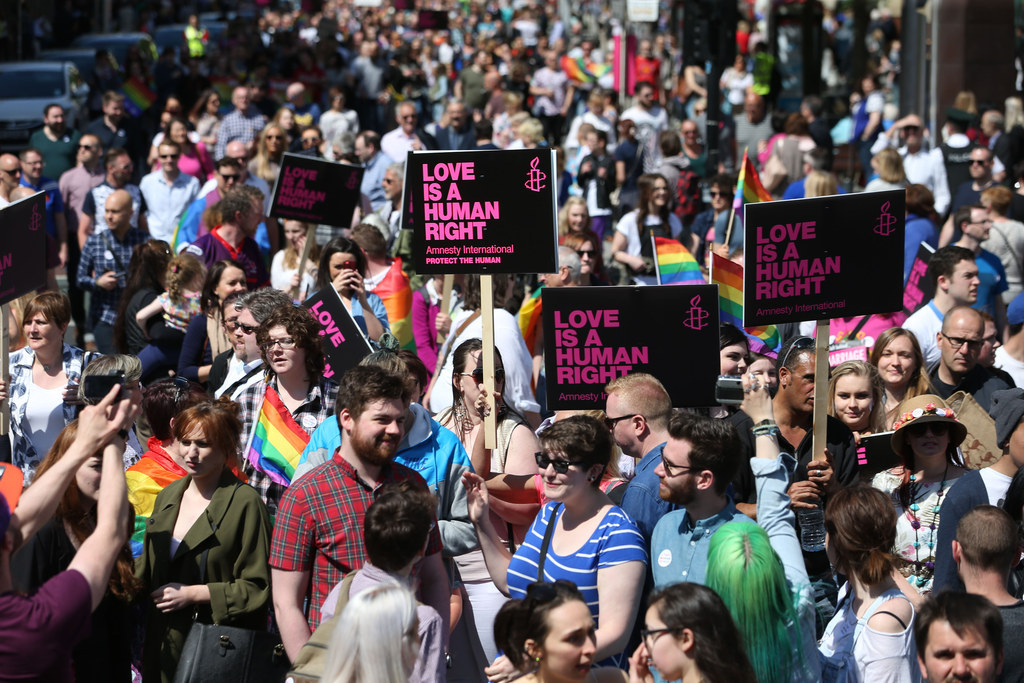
180, 454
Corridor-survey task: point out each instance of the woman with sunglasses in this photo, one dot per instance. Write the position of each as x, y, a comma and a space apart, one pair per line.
295, 385
901, 366
710, 225
589, 541
926, 437
206, 338
271, 144
588, 245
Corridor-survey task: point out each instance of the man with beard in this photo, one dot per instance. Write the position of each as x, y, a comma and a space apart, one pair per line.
959, 637
318, 531
697, 464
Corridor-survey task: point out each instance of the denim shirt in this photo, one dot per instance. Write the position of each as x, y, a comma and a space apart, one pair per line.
679, 546
641, 500
23, 452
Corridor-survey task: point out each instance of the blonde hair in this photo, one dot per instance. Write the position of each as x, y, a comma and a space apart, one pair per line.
183, 270
563, 215
291, 257
531, 130
642, 394
889, 165
859, 368
820, 184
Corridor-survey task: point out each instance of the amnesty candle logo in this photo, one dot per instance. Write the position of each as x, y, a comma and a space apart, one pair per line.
886, 221
536, 177
36, 221
697, 317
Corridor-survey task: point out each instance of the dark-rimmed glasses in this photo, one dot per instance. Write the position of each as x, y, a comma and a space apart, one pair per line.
958, 342
287, 343
671, 469
478, 375
246, 329
646, 633
610, 422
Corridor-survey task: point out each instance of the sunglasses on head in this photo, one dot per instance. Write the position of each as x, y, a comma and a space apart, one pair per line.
560, 466
801, 344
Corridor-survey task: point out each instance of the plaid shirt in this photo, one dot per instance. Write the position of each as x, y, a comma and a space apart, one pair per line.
237, 125
320, 526
318, 406
100, 254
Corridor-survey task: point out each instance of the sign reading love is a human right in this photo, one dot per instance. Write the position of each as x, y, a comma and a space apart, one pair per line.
23, 247
826, 257
341, 339
593, 335
487, 211
315, 190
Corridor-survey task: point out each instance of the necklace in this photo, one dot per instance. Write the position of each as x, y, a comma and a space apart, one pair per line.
923, 571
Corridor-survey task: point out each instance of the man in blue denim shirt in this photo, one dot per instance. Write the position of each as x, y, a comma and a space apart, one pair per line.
638, 410
697, 464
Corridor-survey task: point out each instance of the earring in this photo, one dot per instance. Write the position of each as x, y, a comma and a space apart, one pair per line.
590, 478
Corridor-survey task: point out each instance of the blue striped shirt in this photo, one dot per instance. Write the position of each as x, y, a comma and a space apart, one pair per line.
616, 540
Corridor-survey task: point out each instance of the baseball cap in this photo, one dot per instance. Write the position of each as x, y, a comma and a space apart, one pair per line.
11, 483
1015, 311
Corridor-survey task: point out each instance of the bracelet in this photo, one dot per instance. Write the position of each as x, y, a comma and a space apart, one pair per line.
768, 430
765, 423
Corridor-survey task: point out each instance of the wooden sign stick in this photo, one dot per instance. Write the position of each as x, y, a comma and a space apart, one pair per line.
487, 318
306, 248
820, 418
446, 302
5, 358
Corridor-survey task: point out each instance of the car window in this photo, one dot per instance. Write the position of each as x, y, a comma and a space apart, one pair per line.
32, 84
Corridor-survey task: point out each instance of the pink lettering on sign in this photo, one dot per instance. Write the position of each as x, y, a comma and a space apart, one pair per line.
780, 271
913, 295
580, 354
330, 328
449, 172
294, 193
604, 318
788, 232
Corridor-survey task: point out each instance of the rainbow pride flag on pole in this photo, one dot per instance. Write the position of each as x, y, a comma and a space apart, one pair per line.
276, 441
749, 189
729, 278
582, 71
674, 264
529, 318
138, 96
396, 293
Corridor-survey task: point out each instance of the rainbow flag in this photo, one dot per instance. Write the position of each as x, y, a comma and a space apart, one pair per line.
675, 264
749, 189
277, 440
396, 293
146, 478
581, 71
729, 278
529, 319
138, 96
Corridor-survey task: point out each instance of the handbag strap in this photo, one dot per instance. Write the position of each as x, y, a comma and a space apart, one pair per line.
552, 521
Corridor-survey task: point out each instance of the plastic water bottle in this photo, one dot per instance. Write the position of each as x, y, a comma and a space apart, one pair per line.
812, 528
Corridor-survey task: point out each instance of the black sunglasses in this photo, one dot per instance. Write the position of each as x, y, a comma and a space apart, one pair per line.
478, 375
937, 428
560, 466
248, 329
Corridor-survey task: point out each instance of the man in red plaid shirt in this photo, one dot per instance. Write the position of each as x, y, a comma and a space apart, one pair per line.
318, 533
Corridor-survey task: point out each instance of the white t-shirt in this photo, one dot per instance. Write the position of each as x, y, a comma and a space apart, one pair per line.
628, 227
1004, 361
996, 485
925, 323
44, 416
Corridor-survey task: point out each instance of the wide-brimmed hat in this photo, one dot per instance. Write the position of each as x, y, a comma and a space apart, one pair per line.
922, 409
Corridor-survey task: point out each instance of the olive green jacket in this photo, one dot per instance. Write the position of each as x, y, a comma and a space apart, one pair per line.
235, 529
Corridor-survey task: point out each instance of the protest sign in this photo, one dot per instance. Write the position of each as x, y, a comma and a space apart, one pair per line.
432, 19
825, 257
316, 191
875, 454
491, 211
919, 288
23, 250
594, 334
848, 350
343, 342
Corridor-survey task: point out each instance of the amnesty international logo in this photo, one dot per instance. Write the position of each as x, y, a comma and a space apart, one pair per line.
536, 177
886, 221
36, 221
352, 179
697, 317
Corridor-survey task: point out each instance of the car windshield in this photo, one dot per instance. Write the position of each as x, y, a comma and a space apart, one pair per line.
19, 85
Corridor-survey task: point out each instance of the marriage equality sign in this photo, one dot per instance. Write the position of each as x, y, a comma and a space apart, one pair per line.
488, 211
316, 191
23, 247
594, 334
342, 341
824, 257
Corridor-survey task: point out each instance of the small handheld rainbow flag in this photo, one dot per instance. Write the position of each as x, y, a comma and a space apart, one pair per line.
729, 278
749, 189
581, 71
675, 265
138, 96
396, 293
276, 441
529, 318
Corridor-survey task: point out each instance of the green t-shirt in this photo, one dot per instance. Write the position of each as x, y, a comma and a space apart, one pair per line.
59, 155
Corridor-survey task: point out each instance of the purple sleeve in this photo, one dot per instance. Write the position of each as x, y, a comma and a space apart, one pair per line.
423, 331
48, 625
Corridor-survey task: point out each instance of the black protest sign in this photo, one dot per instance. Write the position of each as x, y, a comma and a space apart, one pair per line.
432, 19
919, 288
594, 334
826, 257
343, 342
875, 454
490, 211
22, 247
316, 191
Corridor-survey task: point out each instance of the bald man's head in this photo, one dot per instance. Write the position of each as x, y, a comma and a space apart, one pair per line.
10, 172
118, 210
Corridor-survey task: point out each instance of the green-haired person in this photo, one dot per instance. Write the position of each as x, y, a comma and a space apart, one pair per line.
758, 569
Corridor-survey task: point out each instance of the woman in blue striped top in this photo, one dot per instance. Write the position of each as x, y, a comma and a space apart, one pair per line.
589, 541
